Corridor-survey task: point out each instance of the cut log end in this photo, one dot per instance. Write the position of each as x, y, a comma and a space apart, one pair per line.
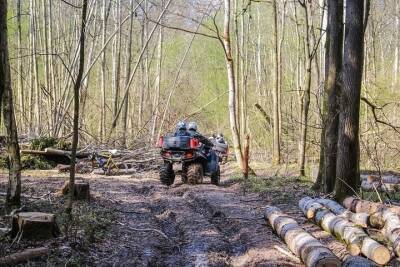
354, 249
375, 251
381, 255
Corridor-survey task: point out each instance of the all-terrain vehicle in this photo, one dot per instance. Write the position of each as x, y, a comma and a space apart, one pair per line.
221, 148
196, 160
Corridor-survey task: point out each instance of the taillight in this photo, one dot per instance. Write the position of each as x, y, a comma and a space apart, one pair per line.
167, 154
189, 154
160, 142
194, 143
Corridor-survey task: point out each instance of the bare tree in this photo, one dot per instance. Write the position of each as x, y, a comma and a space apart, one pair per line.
309, 53
77, 86
231, 83
276, 157
6, 101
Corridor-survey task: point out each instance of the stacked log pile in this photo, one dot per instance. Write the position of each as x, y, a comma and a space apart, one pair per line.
309, 249
352, 222
356, 239
388, 216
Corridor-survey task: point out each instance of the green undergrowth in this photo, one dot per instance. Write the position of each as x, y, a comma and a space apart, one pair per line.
42, 143
277, 188
89, 225
29, 162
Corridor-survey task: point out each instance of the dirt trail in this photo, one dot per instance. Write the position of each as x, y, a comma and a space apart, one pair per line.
183, 225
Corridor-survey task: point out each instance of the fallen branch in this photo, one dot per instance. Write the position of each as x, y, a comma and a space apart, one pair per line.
20, 257
147, 230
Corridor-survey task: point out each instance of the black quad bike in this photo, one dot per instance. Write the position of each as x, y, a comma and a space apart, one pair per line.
222, 149
196, 160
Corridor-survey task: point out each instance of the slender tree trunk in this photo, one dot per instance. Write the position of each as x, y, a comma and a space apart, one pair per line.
21, 93
77, 86
332, 91
307, 89
35, 66
127, 74
276, 157
281, 32
231, 84
6, 101
52, 72
117, 59
47, 64
102, 130
347, 168
324, 59
238, 55
397, 44
142, 81
156, 101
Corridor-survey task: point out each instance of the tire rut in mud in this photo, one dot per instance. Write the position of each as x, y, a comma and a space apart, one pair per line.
200, 242
240, 222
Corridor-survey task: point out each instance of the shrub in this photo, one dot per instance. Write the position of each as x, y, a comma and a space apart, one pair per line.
43, 142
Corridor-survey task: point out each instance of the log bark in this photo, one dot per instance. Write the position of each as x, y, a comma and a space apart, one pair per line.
23, 256
391, 229
34, 226
379, 186
385, 179
358, 261
359, 205
360, 219
80, 167
301, 243
356, 239
54, 152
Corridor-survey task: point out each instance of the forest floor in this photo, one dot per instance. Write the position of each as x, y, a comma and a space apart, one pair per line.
136, 221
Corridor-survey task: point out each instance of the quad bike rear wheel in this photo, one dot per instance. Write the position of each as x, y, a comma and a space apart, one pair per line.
167, 175
195, 173
215, 177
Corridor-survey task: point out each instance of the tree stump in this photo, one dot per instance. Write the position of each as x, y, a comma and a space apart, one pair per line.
34, 226
81, 190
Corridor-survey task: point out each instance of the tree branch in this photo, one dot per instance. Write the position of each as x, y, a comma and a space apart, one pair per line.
377, 120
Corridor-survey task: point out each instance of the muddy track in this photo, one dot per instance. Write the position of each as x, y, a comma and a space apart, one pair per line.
189, 225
